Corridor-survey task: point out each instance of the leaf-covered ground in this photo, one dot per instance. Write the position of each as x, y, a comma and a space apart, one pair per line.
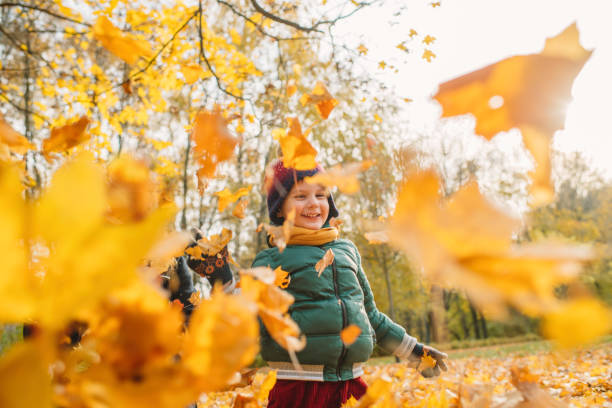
545, 379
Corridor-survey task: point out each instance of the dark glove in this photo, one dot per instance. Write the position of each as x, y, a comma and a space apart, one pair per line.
185, 288
215, 268
420, 350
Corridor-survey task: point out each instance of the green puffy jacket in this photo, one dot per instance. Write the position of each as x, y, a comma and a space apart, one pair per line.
324, 305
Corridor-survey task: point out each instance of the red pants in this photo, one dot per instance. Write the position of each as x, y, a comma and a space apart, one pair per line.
314, 394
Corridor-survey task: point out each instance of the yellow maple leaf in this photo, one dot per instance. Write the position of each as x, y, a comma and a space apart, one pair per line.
282, 278
213, 142
429, 39
466, 242
349, 334
73, 243
362, 49
321, 98
523, 82
240, 208
344, 177
211, 349
131, 190
428, 55
65, 137
435, 4
402, 47
297, 151
412, 33
210, 246
577, 322
226, 197
125, 46
382, 64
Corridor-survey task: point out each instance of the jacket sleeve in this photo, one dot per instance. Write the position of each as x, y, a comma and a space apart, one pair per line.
390, 335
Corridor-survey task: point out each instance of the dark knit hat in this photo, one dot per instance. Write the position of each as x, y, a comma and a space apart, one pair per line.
280, 180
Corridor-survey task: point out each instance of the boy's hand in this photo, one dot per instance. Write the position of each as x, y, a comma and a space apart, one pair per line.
429, 361
438, 359
215, 268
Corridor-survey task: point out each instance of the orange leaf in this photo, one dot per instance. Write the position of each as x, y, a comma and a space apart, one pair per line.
226, 197
321, 97
210, 246
66, 137
240, 208
282, 278
291, 88
428, 55
324, 262
349, 334
297, 151
343, 177
125, 46
520, 90
10, 137
213, 142
538, 143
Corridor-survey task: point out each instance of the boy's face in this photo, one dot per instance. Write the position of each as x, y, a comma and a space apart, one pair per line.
310, 203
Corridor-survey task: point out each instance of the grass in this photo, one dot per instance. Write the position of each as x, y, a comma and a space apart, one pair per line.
497, 351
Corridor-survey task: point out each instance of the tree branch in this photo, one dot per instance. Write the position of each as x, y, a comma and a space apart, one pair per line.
42, 10
282, 20
258, 26
203, 55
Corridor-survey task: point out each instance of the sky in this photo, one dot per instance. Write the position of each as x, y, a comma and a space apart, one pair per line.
473, 33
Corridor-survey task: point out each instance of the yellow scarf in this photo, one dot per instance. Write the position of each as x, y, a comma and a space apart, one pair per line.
305, 236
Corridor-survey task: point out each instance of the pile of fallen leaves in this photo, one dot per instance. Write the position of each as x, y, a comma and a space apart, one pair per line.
543, 380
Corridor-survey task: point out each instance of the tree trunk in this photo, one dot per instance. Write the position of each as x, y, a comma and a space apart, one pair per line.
475, 320
439, 331
483, 326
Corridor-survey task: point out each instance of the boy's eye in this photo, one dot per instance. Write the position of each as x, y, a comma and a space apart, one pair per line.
299, 196
321, 195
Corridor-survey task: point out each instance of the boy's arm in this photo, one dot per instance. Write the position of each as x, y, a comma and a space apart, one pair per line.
391, 336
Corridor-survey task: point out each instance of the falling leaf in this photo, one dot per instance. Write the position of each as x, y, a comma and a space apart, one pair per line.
412, 33
210, 246
377, 237
213, 142
532, 87
429, 39
344, 177
240, 208
10, 137
541, 190
324, 262
428, 55
349, 334
336, 223
382, 64
212, 350
226, 197
377, 118
66, 137
131, 190
282, 278
362, 49
322, 99
435, 4
297, 151
125, 46
466, 242
279, 235
402, 47
291, 88
589, 315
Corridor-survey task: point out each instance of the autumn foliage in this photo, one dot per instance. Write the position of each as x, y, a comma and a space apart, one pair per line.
139, 119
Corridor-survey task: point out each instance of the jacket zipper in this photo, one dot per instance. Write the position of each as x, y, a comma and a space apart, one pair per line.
344, 317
